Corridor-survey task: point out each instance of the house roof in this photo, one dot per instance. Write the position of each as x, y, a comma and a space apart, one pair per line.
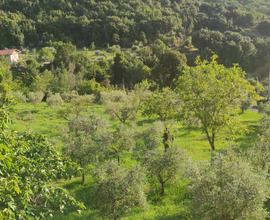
8, 52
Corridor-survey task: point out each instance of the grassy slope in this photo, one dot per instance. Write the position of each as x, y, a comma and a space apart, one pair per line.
173, 205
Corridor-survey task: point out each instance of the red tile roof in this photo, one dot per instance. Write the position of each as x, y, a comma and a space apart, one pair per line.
8, 52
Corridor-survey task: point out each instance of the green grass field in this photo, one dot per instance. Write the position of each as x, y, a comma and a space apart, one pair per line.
170, 207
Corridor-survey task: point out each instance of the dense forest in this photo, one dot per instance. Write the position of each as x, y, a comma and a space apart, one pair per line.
237, 31
135, 109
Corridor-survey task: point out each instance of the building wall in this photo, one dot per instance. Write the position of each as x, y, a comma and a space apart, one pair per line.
13, 57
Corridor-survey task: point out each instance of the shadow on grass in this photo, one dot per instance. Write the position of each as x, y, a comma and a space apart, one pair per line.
247, 140
173, 217
146, 121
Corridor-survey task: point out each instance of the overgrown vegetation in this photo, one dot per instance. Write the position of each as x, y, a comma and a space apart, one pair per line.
139, 126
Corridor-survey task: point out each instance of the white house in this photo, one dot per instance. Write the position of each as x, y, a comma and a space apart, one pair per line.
11, 54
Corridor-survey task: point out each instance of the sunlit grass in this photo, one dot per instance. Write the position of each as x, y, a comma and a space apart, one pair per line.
174, 205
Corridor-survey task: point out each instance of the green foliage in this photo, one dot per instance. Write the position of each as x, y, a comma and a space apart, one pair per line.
35, 97
263, 27
85, 141
68, 96
25, 187
42, 82
150, 138
63, 52
55, 101
227, 189
28, 166
120, 106
259, 153
122, 139
118, 189
113, 49
77, 107
166, 105
25, 73
164, 165
46, 54
92, 46
211, 93
90, 87
18, 96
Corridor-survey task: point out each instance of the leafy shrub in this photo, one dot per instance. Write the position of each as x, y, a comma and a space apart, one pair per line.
35, 97
25, 51
113, 49
87, 98
18, 96
92, 46
119, 189
89, 87
227, 188
97, 52
68, 96
55, 100
134, 47
120, 106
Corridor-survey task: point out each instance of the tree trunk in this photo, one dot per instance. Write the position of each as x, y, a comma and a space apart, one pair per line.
166, 137
211, 140
162, 189
83, 177
118, 159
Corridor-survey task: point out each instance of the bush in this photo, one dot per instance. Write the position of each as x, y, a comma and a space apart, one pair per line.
18, 96
68, 96
87, 98
97, 52
55, 101
119, 189
92, 46
134, 48
90, 87
35, 97
114, 49
25, 51
227, 188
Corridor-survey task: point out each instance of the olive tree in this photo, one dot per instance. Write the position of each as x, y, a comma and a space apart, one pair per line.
119, 189
122, 139
150, 136
120, 105
35, 97
18, 96
211, 92
55, 100
164, 166
265, 110
227, 188
85, 140
77, 107
165, 104
259, 153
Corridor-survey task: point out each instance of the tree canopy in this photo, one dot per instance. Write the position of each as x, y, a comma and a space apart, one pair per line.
211, 92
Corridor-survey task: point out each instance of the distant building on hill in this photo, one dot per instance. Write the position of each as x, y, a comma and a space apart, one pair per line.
11, 54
